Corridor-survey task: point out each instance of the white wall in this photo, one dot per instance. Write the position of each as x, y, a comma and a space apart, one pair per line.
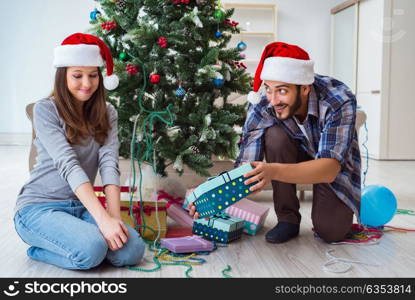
306, 23
30, 29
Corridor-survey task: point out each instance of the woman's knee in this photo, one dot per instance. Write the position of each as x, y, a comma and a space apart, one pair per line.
131, 253
91, 254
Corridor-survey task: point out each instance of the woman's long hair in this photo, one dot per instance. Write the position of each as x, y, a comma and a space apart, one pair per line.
94, 121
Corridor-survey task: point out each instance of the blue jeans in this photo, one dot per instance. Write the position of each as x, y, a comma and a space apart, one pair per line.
65, 234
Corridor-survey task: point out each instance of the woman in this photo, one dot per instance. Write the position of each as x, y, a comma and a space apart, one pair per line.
57, 211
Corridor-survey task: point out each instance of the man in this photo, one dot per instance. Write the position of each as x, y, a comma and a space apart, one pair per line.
305, 126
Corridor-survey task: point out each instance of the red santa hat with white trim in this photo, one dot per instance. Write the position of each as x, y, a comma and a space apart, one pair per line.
285, 63
86, 50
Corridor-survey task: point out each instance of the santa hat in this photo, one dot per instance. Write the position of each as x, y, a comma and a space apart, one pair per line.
285, 63
81, 49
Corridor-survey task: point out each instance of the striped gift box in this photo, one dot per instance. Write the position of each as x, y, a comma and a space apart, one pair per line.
251, 212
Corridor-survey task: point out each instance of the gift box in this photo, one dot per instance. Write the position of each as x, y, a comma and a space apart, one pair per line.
187, 244
174, 208
221, 191
178, 231
221, 228
149, 215
99, 192
251, 212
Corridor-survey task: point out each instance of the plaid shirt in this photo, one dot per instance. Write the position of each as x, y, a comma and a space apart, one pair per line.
330, 127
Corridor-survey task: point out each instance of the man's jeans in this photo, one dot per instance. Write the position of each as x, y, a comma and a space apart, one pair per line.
66, 235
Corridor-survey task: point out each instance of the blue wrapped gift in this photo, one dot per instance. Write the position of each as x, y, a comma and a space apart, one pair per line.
221, 191
221, 228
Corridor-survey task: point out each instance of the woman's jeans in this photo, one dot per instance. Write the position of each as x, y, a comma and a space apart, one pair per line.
66, 235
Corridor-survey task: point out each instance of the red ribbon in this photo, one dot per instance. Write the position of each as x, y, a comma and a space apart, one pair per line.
163, 195
147, 209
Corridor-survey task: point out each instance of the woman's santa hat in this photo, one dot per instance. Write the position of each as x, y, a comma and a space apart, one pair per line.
285, 63
86, 50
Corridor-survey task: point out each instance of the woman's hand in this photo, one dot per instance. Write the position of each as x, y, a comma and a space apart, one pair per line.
263, 173
114, 231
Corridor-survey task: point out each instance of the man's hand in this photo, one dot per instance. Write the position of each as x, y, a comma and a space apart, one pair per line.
114, 232
263, 173
192, 211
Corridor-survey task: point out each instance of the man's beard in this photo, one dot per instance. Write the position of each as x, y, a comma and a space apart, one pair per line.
292, 108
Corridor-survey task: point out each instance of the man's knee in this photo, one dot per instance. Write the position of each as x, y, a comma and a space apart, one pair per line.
279, 147
330, 231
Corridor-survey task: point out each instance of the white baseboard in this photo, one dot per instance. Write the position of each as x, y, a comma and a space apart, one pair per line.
15, 139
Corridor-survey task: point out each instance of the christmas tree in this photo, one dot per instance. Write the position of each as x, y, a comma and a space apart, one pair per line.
176, 74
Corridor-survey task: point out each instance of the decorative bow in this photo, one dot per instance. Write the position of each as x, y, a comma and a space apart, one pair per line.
220, 215
231, 23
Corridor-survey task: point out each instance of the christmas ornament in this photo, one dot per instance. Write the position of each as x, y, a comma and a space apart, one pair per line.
154, 78
162, 42
194, 16
242, 55
180, 92
231, 23
122, 56
120, 4
131, 70
227, 75
218, 82
108, 26
241, 46
239, 64
219, 15
93, 14
194, 149
180, 1
218, 34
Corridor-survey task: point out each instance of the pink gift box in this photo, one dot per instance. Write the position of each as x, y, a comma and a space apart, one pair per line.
251, 212
174, 209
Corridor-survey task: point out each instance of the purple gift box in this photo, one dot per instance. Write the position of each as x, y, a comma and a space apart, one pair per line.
187, 244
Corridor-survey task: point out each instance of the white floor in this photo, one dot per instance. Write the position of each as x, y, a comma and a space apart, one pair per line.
249, 256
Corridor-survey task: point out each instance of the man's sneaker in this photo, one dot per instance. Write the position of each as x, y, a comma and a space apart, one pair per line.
283, 232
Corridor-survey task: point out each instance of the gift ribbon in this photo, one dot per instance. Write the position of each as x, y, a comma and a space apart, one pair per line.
170, 199
147, 209
221, 215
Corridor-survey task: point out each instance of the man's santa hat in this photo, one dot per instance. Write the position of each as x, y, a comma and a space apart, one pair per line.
285, 63
86, 50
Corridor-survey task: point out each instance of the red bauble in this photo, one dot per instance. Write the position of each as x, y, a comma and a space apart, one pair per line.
155, 78
131, 70
109, 25
162, 41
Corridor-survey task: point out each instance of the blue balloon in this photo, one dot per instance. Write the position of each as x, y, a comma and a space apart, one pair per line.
378, 205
